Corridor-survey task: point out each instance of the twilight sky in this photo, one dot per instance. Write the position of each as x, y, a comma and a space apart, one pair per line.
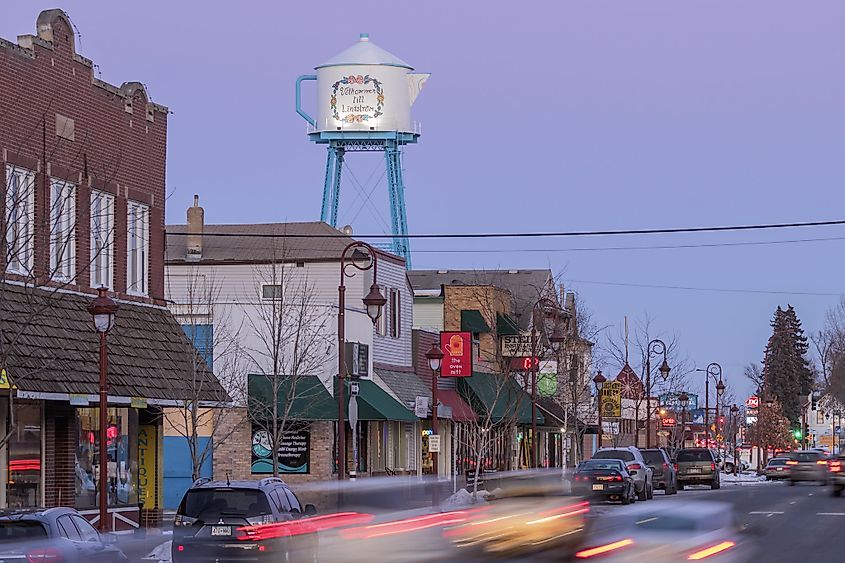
539, 116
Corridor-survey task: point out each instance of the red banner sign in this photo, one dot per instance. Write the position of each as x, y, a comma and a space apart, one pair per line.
667, 421
457, 354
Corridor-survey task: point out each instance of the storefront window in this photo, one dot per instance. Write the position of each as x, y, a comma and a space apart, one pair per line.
23, 487
122, 447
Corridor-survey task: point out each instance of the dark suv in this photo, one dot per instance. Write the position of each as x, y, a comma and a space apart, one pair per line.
243, 521
697, 466
54, 534
663, 472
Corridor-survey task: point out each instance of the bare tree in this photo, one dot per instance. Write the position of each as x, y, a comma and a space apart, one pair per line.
290, 328
204, 417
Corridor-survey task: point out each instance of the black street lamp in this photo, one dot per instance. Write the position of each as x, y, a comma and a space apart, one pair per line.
713, 370
734, 415
655, 347
374, 302
599, 380
103, 310
435, 360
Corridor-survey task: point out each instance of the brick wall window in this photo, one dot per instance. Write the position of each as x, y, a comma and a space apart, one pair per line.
62, 230
137, 248
20, 191
102, 239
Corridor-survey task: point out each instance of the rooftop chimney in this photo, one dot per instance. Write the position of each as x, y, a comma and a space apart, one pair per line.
196, 222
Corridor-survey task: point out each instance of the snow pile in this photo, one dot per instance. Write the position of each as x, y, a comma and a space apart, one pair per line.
742, 479
464, 498
160, 553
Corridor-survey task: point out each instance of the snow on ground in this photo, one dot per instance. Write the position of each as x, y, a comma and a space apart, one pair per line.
160, 553
464, 498
743, 479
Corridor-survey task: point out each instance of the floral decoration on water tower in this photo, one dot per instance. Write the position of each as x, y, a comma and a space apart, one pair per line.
360, 99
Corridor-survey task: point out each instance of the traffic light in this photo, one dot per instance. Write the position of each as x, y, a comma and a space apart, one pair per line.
797, 433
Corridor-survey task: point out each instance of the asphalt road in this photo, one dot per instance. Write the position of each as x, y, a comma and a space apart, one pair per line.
799, 524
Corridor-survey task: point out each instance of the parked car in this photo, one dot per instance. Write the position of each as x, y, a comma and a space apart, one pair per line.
219, 519
728, 462
697, 466
606, 478
54, 534
636, 465
664, 475
807, 465
776, 468
836, 474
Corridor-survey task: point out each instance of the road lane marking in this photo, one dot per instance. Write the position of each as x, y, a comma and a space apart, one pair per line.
766, 512
793, 502
830, 513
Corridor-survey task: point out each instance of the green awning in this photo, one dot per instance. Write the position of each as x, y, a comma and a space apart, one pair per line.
505, 324
473, 321
312, 401
374, 403
503, 399
310, 398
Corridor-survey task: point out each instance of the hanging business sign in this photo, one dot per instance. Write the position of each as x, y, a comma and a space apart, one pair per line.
434, 443
293, 456
611, 399
457, 354
516, 345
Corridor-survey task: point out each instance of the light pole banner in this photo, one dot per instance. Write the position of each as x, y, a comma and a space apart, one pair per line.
611, 399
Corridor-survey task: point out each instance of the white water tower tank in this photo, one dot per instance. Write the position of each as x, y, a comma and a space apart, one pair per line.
365, 88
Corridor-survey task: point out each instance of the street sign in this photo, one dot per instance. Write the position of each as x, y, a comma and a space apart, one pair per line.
611, 399
421, 407
516, 345
457, 350
434, 443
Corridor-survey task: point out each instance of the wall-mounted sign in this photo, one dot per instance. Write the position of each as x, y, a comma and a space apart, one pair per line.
357, 359
434, 443
147, 447
457, 354
293, 456
421, 407
516, 345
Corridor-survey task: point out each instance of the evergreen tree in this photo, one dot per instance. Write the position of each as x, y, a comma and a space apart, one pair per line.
786, 371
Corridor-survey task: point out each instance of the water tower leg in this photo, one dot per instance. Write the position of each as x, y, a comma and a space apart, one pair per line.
338, 168
396, 191
327, 185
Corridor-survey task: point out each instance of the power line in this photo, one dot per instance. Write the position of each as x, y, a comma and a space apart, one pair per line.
547, 234
710, 289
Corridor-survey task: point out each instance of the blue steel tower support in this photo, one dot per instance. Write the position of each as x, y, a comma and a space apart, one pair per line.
396, 190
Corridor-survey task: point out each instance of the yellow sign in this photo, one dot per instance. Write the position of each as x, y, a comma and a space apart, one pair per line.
147, 474
611, 399
4, 381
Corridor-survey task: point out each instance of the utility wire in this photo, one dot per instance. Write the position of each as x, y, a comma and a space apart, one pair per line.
711, 289
549, 234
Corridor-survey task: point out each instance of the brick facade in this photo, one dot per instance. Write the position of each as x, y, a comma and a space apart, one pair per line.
232, 456
118, 144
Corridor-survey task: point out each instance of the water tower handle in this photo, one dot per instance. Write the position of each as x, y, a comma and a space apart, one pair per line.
299, 109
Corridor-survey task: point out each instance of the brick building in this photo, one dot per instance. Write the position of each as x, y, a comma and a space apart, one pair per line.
83, 176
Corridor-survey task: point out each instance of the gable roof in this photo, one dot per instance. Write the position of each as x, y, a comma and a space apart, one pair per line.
632, 385
525, 286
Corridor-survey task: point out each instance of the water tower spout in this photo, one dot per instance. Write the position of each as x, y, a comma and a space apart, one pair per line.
416, 81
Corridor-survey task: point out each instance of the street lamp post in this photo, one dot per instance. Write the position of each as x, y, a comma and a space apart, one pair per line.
764, 434
599, 380
374, 301
684, 400
734, 416
712, 370
720, 392
103, 310
435, 359
555, 339
656, 347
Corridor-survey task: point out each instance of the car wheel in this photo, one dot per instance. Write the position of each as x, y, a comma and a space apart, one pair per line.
643, 495
626, 498
716, 484
836, 491
650, 494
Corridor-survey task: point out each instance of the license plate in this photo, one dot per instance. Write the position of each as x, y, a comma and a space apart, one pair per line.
598, 487
694, 470
221, 530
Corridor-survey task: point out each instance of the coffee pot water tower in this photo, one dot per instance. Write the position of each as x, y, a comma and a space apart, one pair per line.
364, 99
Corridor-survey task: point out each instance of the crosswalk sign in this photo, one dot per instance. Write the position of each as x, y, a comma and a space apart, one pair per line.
4, 380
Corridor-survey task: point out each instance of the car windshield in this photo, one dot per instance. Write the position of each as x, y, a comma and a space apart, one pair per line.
624, 455
694, 455
205, 504
593, 465
653, 457
806, 457
21, 530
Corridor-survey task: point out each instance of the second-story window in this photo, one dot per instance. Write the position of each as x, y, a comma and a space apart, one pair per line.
395, 314
20, 192
137, 247
271, 291
62, 230
102, 239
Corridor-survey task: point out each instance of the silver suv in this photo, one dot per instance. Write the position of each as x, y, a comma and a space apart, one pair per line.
637, 467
